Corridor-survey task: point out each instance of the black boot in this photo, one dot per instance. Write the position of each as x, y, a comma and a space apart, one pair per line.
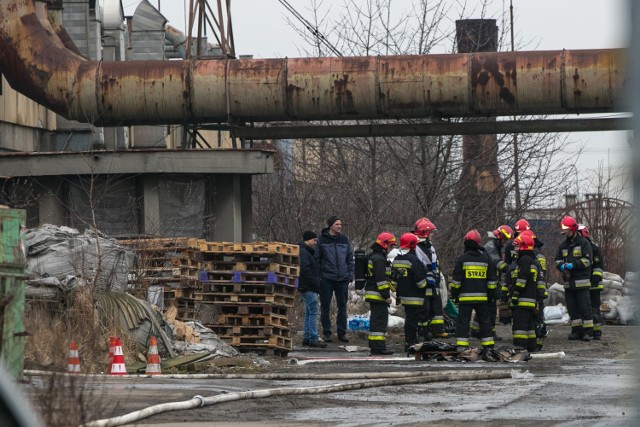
343, 338
327, 337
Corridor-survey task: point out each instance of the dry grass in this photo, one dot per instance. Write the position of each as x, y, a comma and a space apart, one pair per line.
52, 328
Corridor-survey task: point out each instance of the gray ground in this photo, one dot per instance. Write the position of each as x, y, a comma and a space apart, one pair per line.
593, 385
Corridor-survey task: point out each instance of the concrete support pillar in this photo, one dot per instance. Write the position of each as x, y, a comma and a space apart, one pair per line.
51, 202
231, 208
151, 207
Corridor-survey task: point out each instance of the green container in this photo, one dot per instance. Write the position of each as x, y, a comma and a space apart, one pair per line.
451, 309
12, 290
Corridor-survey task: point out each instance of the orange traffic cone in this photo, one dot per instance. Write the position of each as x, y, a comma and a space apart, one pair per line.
73, 362
153, 358
118, 367
112, 344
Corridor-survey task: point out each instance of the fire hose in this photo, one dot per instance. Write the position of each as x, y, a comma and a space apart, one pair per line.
200, 401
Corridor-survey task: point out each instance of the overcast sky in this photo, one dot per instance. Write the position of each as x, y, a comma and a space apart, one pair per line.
261, 29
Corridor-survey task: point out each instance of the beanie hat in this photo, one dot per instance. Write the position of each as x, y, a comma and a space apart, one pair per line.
308, 235
331, 220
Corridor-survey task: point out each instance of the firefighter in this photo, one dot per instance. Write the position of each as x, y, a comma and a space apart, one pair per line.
497, 239
524, 294
509, 249
432, 316
574, 261
378, 293
411, 278
596, 282
473, 285
542, 294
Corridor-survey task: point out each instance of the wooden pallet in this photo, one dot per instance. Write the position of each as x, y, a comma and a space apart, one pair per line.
256, 248
247, 288
234, 257
252, 320
273, 341
247, 308
247, 277
274, 299
229, 331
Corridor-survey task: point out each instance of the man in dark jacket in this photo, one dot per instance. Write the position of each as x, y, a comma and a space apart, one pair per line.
377, 292
309, 288
337, 268
574, 260
473, 284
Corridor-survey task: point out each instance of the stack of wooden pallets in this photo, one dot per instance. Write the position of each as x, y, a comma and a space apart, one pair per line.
242, 291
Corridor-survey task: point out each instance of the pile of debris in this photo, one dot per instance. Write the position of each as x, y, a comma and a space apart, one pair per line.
617, 304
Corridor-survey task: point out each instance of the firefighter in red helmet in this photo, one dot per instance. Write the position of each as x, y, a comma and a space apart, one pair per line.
472, 286
596, 282
411, 278
497, 240
574, 259
378, 292
524, 294
431, 318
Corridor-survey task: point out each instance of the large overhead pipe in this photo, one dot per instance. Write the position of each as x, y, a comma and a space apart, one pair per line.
36, 63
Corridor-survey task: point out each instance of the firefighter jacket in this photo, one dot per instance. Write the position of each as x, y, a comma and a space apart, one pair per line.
577, 251
426, 253
335, 257
494, 250
411, 278
542, 276
377, 289
598, 267
526, 291
474, 275
309, 279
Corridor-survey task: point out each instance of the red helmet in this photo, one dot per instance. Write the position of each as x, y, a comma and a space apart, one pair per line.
424, 227
524, 242
473, 235
584, 230
568, 224
528, 233
386, 240
522, 225
504, 231
408, 241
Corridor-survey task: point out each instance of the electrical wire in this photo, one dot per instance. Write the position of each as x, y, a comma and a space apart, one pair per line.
309, 26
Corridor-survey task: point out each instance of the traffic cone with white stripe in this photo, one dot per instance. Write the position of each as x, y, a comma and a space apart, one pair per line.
112, 344
118, 367
73, 362
153, 358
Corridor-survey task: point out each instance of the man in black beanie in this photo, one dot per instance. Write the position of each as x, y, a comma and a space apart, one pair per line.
309, 288
337, 267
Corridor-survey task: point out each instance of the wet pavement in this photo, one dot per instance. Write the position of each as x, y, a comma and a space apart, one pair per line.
594, 385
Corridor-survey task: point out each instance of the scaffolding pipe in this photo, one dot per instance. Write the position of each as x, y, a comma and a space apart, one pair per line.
37, 63
199, 401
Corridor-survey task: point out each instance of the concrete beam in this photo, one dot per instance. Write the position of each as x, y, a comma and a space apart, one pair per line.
245, 162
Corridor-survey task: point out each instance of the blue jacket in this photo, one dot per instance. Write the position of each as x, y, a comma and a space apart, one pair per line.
335, 256
309, 279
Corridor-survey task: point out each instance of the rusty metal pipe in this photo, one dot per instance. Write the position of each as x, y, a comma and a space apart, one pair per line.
37, 64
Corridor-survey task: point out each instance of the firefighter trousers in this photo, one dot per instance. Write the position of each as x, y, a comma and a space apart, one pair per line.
462, 324
493, 313
595, 311
524, 328
579, 308
412, 317
378, 325
431, 316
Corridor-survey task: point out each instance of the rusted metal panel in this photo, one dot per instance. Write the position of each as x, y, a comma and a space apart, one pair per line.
256, 88
208, 90
330, 87
591, 78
